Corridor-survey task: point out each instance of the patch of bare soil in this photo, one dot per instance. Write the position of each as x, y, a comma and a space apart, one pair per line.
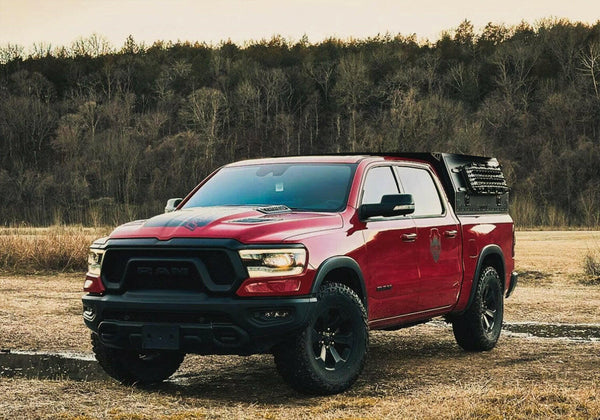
42, 313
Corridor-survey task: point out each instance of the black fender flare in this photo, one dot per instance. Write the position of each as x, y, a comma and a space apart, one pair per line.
485, 252
334, 263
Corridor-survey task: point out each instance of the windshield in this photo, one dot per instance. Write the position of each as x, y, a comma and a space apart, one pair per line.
309, 187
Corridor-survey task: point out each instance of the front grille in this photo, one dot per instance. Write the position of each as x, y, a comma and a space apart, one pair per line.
219, 267
174, 269
162, 275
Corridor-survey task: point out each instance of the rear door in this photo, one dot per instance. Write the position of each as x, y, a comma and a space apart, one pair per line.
393, 277
438, 239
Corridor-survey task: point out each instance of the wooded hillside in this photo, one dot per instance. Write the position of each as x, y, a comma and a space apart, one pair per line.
93, 135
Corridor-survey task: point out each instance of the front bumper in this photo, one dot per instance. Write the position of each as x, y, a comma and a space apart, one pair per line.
514, 278
194, 322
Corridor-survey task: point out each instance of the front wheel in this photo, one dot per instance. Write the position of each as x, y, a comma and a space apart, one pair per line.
130, 367
328, 356
478, 329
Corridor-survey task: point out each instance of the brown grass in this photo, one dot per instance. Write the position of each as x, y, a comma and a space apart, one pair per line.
591, 268
415, 373
42, 313
551, 289
50, 305
557, 254
26, 250
418, 372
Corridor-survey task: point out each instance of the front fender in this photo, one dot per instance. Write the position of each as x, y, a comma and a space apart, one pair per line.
342, 262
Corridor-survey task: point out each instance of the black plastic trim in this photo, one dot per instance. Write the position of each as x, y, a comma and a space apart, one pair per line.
119, 287
225, 316
336, 262
485, 252
514, 279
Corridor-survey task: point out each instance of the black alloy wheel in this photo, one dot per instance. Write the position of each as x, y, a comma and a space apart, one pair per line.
489, 309
332, 338
329, 354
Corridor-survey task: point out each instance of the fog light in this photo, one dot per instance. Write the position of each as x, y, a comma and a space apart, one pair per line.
272, 315
89, 313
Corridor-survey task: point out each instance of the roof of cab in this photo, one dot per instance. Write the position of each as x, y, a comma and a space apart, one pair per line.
304, 159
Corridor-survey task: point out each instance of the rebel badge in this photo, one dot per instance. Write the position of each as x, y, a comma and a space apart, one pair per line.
435, 244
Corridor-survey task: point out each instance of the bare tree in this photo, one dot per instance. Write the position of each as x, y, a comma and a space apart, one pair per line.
514, 66
590, 64
93, 46
353, 89
11, 52
202, 113
322, 74
41, 50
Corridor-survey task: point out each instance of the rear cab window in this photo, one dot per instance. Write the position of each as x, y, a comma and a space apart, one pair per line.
420, 184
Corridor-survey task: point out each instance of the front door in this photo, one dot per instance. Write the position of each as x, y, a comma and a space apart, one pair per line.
393, 277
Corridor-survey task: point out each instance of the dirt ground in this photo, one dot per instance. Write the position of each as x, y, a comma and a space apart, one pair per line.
414, 373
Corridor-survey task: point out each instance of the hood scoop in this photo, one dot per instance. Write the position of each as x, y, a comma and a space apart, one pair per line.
274, 209
254, 220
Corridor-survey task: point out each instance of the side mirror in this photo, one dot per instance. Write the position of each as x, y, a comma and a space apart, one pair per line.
391, 205
172, 204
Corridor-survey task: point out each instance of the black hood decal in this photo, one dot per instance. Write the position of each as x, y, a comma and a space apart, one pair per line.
193, 218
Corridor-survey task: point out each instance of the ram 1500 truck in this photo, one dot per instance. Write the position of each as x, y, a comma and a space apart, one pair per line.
300, 257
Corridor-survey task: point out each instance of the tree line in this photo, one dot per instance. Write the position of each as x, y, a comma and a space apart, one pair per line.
96, 135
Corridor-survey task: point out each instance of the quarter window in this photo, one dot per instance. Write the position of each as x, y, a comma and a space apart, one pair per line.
419, 183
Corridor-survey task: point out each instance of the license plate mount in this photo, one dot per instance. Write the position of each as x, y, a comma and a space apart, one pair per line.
160, 337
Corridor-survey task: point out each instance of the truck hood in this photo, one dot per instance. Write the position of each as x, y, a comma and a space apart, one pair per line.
245, 224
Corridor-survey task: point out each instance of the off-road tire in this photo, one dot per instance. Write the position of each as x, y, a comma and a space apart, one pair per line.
134, 368
312, 362
479, 327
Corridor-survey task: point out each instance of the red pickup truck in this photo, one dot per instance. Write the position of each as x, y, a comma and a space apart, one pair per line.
300, 257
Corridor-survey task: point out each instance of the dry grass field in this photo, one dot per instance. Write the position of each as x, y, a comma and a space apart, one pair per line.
27, 250
414, 373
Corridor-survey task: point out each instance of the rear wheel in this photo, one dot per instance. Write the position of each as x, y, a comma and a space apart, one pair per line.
478, 329
131, 367
328, 356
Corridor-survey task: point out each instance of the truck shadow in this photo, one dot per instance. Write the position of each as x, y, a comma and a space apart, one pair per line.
255, 379
406, 360
230, 379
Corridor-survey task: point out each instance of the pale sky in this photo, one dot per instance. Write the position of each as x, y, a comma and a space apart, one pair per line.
60, 22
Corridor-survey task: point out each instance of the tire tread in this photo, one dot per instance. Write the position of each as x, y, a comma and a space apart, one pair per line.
294, 365
467, 327
116, 364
